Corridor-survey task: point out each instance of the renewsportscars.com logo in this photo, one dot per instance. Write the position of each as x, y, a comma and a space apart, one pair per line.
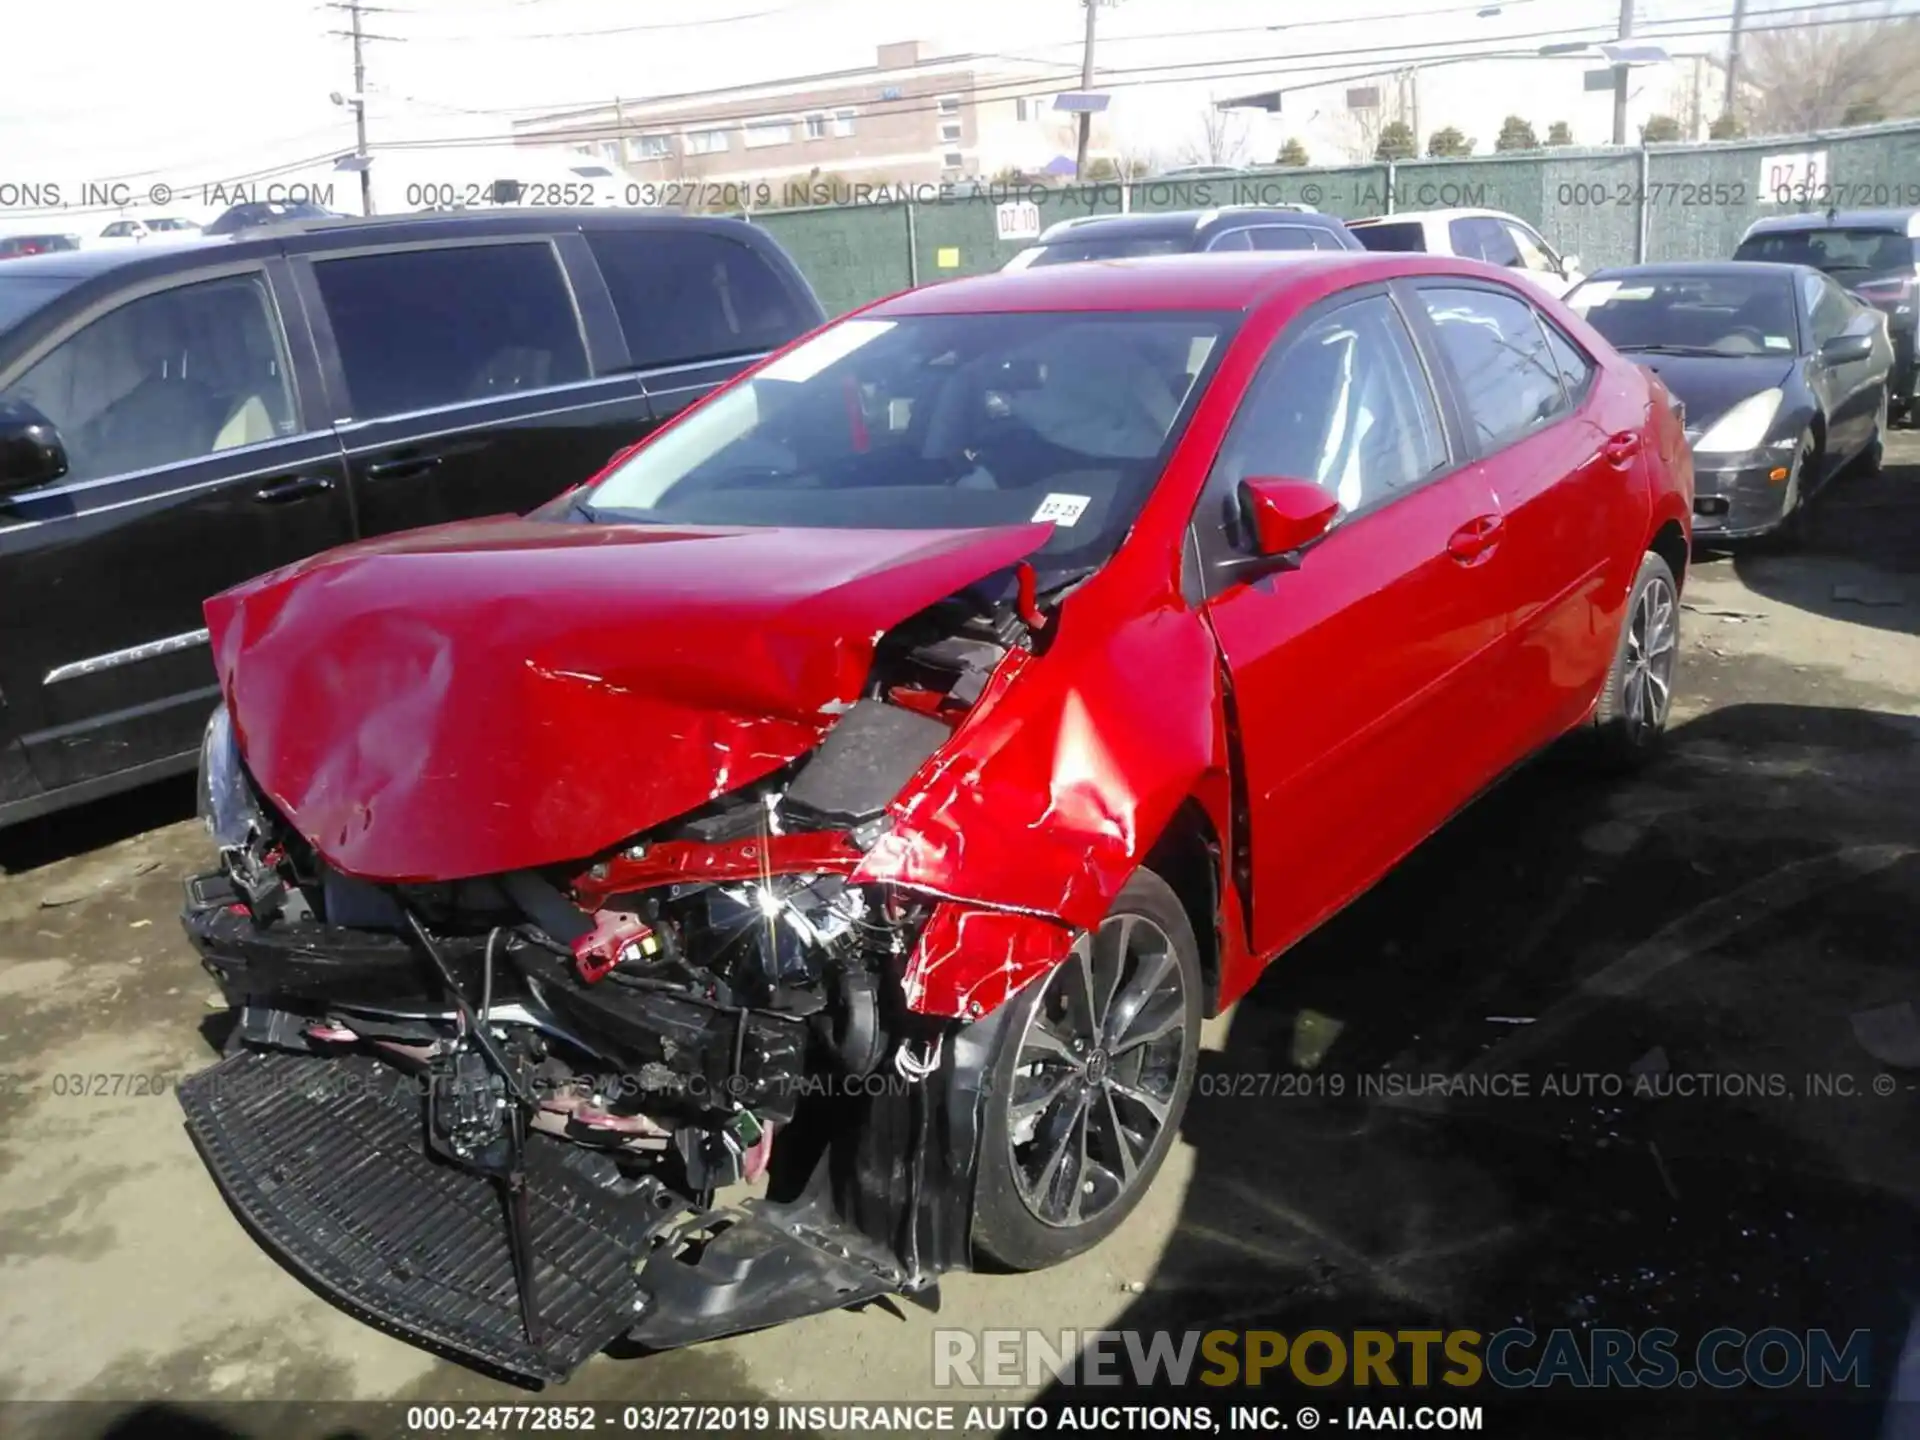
1513, 1359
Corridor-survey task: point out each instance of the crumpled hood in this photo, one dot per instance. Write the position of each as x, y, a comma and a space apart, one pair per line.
497, 694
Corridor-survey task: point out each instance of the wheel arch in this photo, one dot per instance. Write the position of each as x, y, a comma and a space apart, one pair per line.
1188, 856
1669, 542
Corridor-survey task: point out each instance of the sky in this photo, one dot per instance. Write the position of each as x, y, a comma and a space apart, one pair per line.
228, 87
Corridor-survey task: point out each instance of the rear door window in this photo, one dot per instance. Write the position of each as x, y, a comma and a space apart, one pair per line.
1231, 240
418, 329
693, 295
1494, 344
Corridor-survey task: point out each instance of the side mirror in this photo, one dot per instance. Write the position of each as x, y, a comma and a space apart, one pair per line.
1281, 516
1569, 264
30, 450
1844, 349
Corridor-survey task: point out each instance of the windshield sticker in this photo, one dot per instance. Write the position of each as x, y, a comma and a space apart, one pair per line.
817, 354
1062, 509
1778, 342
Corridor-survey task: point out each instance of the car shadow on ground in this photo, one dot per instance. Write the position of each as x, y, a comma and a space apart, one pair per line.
1699, 938
1858, 559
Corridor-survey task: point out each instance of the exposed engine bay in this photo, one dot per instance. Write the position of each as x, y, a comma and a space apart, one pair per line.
717, 1000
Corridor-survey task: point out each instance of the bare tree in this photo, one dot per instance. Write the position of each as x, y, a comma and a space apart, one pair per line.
1222, 139
1809, 79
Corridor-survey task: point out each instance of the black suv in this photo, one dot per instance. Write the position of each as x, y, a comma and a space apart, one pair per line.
1179, 232
1875, 254
175, 418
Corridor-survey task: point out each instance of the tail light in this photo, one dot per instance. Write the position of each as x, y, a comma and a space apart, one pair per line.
1895, 295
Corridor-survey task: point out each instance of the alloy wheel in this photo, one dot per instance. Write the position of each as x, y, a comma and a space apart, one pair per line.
1652, 644
1097, 1072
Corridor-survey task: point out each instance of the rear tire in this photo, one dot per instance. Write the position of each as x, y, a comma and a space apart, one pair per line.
1095, 1065
1630, 720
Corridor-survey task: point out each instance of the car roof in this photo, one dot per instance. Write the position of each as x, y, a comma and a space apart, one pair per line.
1233, 280
1161, 223
1705, 267
162, 256
83, 264
1460, 213
1899, 222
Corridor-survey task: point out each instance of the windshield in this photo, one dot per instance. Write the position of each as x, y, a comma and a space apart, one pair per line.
936, 421
1409, 237
1837, 250
1110, 247
21, 295
1727, 313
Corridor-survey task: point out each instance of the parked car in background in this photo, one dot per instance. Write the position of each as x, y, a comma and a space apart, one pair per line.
1875, 254
177, 417
16, 247
1179, 232
251, 213
1489, 235
132, 232
1784, 376
975, 696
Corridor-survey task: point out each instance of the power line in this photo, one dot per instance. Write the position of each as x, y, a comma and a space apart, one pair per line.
1354, 63
517, 36
1380, 58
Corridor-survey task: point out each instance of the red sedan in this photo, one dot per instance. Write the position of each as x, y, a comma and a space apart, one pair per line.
869, 782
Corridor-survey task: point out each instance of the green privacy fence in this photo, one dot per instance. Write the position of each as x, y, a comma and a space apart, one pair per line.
1607, 206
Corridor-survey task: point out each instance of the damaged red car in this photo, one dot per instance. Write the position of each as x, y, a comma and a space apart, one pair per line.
859, 793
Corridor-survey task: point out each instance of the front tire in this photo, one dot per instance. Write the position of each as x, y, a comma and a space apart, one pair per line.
1630, 721
1095, 1065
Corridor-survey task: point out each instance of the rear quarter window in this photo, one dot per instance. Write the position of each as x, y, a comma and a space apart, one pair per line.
693, 295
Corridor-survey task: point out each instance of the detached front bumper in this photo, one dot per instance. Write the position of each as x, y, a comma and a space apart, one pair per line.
323, 1158
1737, 497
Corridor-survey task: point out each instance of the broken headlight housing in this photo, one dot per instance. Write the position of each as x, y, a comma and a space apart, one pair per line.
227, 806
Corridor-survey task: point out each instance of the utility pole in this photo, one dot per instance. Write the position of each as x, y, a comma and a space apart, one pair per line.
1086, 86
1620, 77
1733, 57
360, 111
355, 9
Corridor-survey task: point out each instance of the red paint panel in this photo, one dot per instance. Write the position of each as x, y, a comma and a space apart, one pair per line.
499, 694
970, 961
1067, 769
676, 862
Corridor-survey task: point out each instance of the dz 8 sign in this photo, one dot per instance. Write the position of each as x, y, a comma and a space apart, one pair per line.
1798, 177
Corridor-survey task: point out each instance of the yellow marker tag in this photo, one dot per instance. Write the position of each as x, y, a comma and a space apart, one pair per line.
948, 257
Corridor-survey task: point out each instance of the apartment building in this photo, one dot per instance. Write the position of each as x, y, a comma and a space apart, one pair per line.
909, 117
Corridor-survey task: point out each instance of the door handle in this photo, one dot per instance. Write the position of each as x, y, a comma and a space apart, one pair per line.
1476, 539
402, 466
289, 488
1621, 448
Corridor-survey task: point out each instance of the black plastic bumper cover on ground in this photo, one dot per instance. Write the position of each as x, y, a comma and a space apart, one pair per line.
324, 1159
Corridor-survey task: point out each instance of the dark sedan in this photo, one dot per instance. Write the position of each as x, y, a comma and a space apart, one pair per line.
1181, 232
1784, 376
